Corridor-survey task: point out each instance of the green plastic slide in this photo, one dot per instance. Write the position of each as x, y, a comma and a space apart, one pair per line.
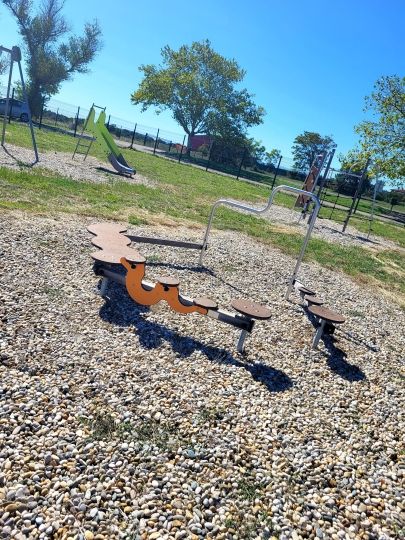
105, 141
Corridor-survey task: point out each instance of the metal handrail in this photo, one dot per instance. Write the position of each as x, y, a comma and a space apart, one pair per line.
240, 206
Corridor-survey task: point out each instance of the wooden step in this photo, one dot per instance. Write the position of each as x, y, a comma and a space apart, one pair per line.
251, 309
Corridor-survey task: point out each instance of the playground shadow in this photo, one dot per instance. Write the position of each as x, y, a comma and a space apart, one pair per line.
349, 235
18, 160
121, 311
336, 358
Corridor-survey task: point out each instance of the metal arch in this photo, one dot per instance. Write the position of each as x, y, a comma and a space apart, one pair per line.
253, 210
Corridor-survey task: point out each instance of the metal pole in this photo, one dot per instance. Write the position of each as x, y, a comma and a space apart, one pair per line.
209, 156
254, 210
276, 172
7, 100
358, 190
57, 113
108, 122
170, 147
182, 146
133, 136
371, 219
144, 139
325, 175
156, 142
77, 121
11, 106
42, 112
241, 163
34, 142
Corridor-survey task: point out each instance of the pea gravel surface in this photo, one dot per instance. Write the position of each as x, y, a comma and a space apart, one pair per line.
117, 421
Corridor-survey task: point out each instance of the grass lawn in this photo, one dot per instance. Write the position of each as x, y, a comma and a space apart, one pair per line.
38, 191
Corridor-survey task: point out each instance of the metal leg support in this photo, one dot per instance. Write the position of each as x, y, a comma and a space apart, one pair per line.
241, 341
103, 286
318, 334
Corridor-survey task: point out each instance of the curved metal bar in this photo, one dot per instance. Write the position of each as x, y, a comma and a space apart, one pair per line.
252, 209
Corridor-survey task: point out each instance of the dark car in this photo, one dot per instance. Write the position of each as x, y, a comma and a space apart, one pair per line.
16, 108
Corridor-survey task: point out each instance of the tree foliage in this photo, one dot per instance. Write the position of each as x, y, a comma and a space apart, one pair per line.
52, 53
198, 86
384, 139
272, 157
307, 146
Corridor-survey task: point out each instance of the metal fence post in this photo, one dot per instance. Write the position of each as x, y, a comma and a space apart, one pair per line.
182, 146
42, 112
76, 121
11, 106
144, 139
276, 172
241, 163
170, 147
156, 142
108, 122
133, 136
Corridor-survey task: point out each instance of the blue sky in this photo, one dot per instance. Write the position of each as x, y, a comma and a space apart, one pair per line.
309, 63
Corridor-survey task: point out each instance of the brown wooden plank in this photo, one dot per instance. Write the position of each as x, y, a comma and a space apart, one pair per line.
107, 228
251, 309
110, 241
164, 242
313, 300
113, 256
327, 314
205, 302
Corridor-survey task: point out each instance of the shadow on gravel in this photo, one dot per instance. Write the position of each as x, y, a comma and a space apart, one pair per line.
121, 311
337, 358
18, 160
338, 363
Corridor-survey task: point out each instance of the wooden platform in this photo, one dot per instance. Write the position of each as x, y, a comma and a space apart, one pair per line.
327, 314
251, 309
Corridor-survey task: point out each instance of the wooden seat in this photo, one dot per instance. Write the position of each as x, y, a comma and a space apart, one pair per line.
110, 241
251, 309
206, 303
313, 300
168, 281
106, 228
113, 256
305, 291
326, 314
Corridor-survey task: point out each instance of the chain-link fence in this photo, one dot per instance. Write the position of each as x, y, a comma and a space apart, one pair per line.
201, 151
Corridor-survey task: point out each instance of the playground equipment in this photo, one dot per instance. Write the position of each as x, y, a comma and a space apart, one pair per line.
104, 139
15, 56
325, 317
253, 210
115, 255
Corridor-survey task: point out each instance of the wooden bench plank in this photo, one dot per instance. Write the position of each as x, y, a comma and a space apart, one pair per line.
251, 309
107, 228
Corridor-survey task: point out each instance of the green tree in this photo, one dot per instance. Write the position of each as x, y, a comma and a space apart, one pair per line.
384, 138
198, 86
52, 54
272, 157
307, 146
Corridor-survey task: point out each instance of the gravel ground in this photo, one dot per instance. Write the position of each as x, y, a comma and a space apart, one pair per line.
92, 170
97, 171
120, 422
